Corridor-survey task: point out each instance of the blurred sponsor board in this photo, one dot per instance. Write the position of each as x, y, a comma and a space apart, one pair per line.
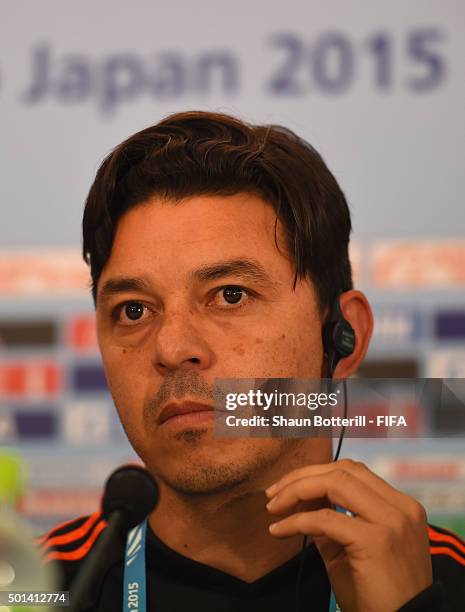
81, 333
86, 423
28, 424
30, 378
389, 368
88, 377
51, 502
450, 325
396, 324
30, 333
446, 363
418, 264
46, 272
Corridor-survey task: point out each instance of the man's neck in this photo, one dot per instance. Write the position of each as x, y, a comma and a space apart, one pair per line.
231, 536
227, 531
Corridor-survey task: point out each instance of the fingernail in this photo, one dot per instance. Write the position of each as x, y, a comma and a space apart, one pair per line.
273, 527
271, 503
270, 491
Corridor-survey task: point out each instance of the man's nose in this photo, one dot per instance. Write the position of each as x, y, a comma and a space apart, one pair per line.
181, 343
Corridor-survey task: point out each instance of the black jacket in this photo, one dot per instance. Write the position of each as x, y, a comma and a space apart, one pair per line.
178, 584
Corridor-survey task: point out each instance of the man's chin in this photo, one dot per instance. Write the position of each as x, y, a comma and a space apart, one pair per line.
193, 436
205, 481
192, 461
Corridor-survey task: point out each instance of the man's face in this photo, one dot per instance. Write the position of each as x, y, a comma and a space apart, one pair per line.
210, 297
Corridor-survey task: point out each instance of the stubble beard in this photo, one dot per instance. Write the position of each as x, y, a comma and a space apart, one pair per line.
200, 478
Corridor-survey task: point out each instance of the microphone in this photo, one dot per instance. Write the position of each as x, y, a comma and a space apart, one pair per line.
130, 495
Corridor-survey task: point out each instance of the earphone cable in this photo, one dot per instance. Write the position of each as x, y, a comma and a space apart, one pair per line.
300, 571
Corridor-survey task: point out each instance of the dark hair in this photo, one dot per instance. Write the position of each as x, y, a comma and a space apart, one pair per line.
202, 153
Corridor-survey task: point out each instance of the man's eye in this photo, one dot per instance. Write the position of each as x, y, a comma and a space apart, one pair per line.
130, 311
232, 295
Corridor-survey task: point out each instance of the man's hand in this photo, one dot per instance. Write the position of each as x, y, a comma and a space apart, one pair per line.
376, 561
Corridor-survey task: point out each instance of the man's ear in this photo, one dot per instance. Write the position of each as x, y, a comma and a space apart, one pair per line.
357, 311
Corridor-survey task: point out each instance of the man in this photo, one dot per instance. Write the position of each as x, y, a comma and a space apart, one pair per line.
218, 249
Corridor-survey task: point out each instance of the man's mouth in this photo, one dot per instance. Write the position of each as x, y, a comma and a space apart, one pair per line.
185, 412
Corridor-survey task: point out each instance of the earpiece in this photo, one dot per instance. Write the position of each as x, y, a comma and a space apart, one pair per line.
338, 342
338, 338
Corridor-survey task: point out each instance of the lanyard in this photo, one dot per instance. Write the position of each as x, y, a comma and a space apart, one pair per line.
134, 570
333, 605
135, 575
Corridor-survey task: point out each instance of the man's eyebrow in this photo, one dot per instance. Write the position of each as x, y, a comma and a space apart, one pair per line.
246, 268
113, 286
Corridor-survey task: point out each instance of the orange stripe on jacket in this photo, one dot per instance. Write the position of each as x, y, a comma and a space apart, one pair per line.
437, 536
41, 539
80, 552
444, 550
76, 534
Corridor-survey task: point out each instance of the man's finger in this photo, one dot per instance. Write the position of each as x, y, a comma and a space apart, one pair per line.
344, 530
341, 488
394, 497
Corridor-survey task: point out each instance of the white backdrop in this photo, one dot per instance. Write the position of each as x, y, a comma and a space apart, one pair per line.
377, 87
